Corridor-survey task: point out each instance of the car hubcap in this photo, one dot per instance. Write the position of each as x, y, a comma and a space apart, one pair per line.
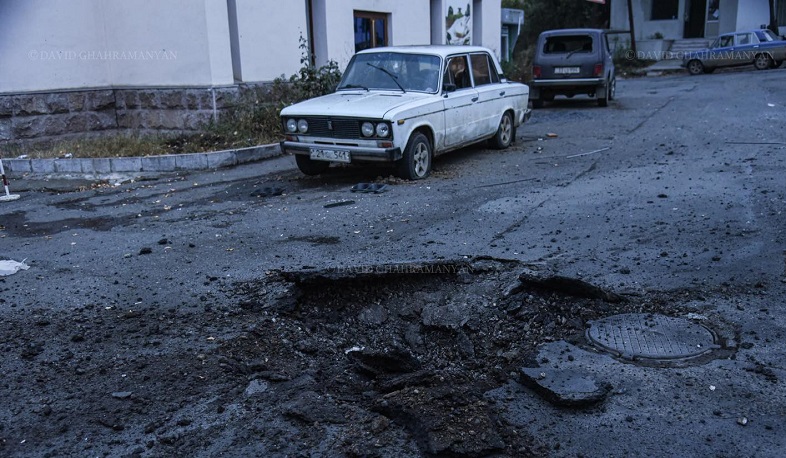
695, 67
505, 128
421, 159
761, 62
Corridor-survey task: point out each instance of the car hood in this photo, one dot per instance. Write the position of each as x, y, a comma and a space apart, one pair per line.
356, 104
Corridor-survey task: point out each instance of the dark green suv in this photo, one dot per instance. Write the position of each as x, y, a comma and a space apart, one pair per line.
573, 62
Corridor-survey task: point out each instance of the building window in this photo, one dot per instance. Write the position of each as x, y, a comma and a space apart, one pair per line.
665, 9
371, 30
713, 10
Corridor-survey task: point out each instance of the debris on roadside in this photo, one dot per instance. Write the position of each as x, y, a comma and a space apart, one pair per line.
10, 267
339, 203
375, 188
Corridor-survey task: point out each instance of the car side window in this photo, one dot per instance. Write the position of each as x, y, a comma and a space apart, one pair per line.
457, 73
726, 41
743, 39
480, 69
493, 71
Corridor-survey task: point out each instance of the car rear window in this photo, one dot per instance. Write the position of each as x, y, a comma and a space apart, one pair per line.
568, 43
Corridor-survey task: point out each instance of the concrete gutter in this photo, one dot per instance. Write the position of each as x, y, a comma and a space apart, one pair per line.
124, 165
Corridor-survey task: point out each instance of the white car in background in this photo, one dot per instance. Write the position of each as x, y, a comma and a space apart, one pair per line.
405, 105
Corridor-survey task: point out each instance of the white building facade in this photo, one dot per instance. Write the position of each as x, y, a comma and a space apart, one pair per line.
93, 66
680, 19
50, 45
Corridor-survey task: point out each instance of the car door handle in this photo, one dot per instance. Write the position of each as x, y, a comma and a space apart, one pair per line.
502, 93
474, 99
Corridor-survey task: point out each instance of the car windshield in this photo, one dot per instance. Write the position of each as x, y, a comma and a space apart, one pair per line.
568, 44
392, 71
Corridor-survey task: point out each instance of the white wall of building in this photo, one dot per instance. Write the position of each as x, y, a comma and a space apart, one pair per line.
71, 44
644, 27
269, 38
752, 14
409, 23
38, 52
49, 45
489, 15
734, 15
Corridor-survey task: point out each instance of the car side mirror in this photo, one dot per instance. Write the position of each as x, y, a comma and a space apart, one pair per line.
449, 87
503, 80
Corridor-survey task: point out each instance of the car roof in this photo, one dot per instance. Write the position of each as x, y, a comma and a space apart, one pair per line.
437, 50
571, 31
744, 31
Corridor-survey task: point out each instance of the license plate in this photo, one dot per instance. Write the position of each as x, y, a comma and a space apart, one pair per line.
567, 70
333, 155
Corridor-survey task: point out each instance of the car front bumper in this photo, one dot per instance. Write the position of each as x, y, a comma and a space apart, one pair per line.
356, 153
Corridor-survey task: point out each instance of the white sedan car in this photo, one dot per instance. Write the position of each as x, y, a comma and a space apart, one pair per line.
405, 105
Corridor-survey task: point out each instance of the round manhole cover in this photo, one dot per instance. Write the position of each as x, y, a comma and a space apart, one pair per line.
654, 337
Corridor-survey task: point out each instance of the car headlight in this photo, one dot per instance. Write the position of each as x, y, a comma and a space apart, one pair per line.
367, 129
383, 130
302, 126
291, 125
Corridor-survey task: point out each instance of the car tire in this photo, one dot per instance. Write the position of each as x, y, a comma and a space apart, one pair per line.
613, 89
695, 67
777, 63
415, 164
762, 62
537, 103
309, 166
506, 132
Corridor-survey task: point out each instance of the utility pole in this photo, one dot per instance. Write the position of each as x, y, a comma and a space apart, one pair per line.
632, 30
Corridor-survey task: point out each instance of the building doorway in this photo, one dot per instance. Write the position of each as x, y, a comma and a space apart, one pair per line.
695, 18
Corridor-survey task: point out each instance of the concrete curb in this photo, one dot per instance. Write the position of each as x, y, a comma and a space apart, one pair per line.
165, 163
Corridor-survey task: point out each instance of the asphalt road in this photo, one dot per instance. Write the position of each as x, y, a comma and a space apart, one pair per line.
677, 186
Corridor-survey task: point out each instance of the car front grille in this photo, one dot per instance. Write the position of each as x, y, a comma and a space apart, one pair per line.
333, 127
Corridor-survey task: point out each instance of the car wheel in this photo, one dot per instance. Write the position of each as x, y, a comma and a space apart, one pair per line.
506, 132
415, 164
537, 103
310, 167
613, 89
695, 67
762, 62
777, 63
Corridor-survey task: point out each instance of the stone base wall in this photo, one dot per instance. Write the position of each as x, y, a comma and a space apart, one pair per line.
35, 117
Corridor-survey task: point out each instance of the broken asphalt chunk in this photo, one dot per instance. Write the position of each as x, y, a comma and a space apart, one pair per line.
339, 203
565, 387
384, 362
570, 287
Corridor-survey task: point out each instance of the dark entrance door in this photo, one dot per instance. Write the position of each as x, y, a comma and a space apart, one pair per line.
694, 23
